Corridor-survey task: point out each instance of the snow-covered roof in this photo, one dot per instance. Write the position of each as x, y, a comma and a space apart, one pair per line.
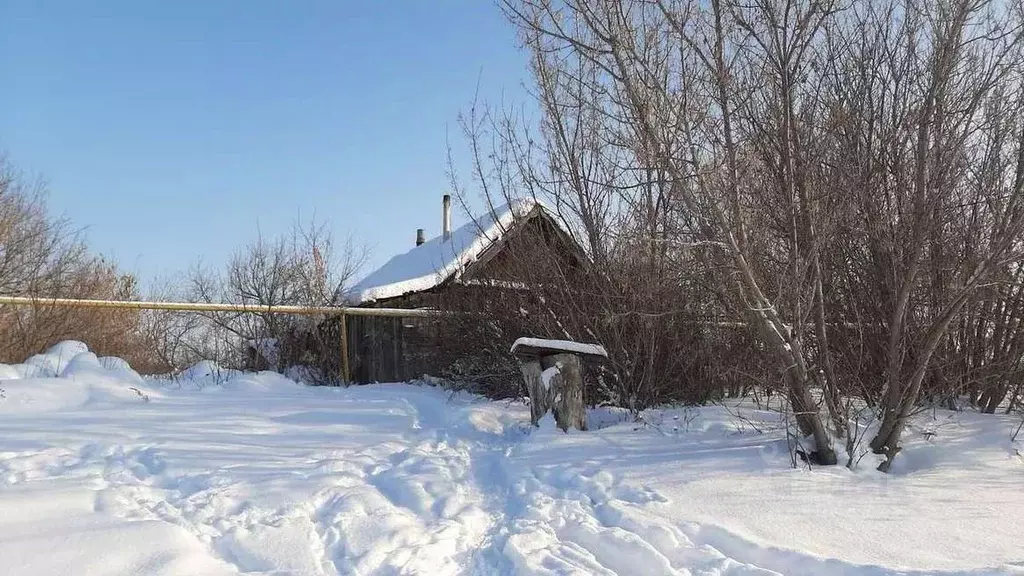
436, 260
531, 346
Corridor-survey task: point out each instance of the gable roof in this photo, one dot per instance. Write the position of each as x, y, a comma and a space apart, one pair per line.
435, 261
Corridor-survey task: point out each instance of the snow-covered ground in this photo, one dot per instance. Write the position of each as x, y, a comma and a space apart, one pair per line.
103, 472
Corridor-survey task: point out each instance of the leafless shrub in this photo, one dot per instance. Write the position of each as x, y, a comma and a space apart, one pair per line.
306, 267
608, 267
859, 418
45, 257
845, 179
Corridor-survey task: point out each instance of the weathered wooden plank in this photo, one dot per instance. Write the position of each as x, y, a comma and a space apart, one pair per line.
540, 397
566, 388
540, 347
555, 382
346, 372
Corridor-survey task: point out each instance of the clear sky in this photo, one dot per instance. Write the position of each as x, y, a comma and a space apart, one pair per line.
171, 130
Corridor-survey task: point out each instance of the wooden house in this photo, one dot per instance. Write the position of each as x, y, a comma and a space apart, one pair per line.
480, 258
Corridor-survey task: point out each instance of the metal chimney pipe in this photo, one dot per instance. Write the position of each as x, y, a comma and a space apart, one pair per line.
419, 237
446, 222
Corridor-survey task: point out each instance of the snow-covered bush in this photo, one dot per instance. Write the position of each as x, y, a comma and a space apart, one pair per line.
304, 267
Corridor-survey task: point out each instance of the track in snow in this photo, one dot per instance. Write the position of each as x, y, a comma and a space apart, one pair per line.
378, 480
258, 475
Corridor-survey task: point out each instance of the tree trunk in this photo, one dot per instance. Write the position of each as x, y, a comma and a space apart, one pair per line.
830, 387
562, 392
567, 387
1014, 399
540, 398
900, 402
996, 396
794, 369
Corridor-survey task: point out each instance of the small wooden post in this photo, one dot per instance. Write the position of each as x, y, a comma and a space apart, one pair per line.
567, 390
345, 374
553, 371
540, 398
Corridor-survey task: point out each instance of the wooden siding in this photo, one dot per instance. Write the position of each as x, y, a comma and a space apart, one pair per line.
398, 350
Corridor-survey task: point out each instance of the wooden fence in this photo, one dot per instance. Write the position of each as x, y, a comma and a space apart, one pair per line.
380, 349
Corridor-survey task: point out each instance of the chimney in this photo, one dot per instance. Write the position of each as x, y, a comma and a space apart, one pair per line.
446, 223
419, 237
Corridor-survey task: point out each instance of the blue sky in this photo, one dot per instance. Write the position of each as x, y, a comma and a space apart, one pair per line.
175, 130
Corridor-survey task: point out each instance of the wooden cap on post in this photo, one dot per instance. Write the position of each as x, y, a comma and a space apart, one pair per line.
539, 347
553, 374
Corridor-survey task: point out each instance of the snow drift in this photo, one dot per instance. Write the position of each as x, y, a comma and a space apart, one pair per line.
219, 472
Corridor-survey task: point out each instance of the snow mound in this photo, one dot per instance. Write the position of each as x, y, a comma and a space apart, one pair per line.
260, 382
50, 364
9, 372
54, 361
120, 366
68, 376
83, 364
202, 369
39, 395
65, 351
24, 370
207, 372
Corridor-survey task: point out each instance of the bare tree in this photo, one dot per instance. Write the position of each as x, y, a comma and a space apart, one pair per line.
927, 107
305, 267
45, 257
844, 177
670, 99
36, 251
625, 289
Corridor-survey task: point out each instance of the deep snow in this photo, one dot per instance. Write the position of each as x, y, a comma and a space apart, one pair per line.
218, 472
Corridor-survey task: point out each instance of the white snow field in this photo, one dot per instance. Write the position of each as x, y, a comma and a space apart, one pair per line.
106, 473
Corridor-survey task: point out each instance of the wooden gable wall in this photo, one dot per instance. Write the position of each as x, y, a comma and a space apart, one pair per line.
400, 349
